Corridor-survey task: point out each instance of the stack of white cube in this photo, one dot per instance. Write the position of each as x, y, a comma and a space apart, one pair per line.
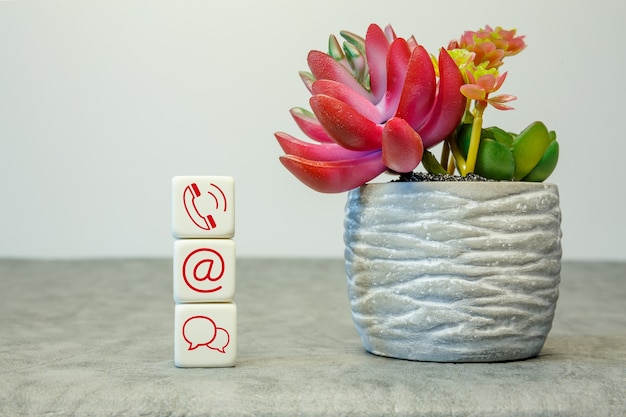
203, 223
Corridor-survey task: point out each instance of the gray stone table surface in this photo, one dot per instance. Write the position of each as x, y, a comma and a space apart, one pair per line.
95, 338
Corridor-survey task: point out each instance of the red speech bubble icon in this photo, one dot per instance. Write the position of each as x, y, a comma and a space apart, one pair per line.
202, 331
199, 331
221, 340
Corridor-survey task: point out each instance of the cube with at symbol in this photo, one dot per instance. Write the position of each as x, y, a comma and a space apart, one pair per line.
204, 270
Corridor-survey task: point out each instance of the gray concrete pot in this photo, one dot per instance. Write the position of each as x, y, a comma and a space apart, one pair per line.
453, 271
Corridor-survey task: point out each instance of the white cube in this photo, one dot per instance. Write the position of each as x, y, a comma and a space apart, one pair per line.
204, 270
203, 207
205, 335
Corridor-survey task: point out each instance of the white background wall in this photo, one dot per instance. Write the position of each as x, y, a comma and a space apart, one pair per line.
102, 102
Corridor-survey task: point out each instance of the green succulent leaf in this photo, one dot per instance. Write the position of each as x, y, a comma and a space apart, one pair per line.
334, 48
357, 63
351, 50
463, 134
552, 134
529, 147
495, 160
430, 163
354, 39
546, 164
498, 135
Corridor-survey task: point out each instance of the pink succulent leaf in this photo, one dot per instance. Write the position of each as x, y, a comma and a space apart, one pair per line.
315, 151
390, 33
402, 147
474, 92
308, 79
335, 176
420, 86
342, 92
449, 105
516, 45
376, 46
345, 125
500, 81
498, 101
397, 64
324, 67
310, 126
487, 82
470, 77
500, 106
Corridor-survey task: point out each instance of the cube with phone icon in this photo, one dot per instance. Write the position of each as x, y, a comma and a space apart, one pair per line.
203, 207
204, 270
205, 335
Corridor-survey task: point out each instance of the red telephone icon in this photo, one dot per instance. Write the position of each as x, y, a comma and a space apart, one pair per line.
202, 220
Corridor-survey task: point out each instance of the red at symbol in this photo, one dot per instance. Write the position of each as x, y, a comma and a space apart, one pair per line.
202, 268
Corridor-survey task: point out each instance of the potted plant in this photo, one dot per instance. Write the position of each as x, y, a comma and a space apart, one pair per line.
440, 267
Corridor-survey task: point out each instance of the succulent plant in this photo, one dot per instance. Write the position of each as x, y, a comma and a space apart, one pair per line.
380, 103
377, 102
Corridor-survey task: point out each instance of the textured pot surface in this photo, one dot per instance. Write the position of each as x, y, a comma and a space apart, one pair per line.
453, 272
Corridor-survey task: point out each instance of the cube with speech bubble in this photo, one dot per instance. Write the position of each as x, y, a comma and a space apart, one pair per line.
204, 270
203, 207
205, 335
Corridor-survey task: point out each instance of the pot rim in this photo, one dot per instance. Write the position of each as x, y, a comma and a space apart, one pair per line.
462, 183
513, 186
